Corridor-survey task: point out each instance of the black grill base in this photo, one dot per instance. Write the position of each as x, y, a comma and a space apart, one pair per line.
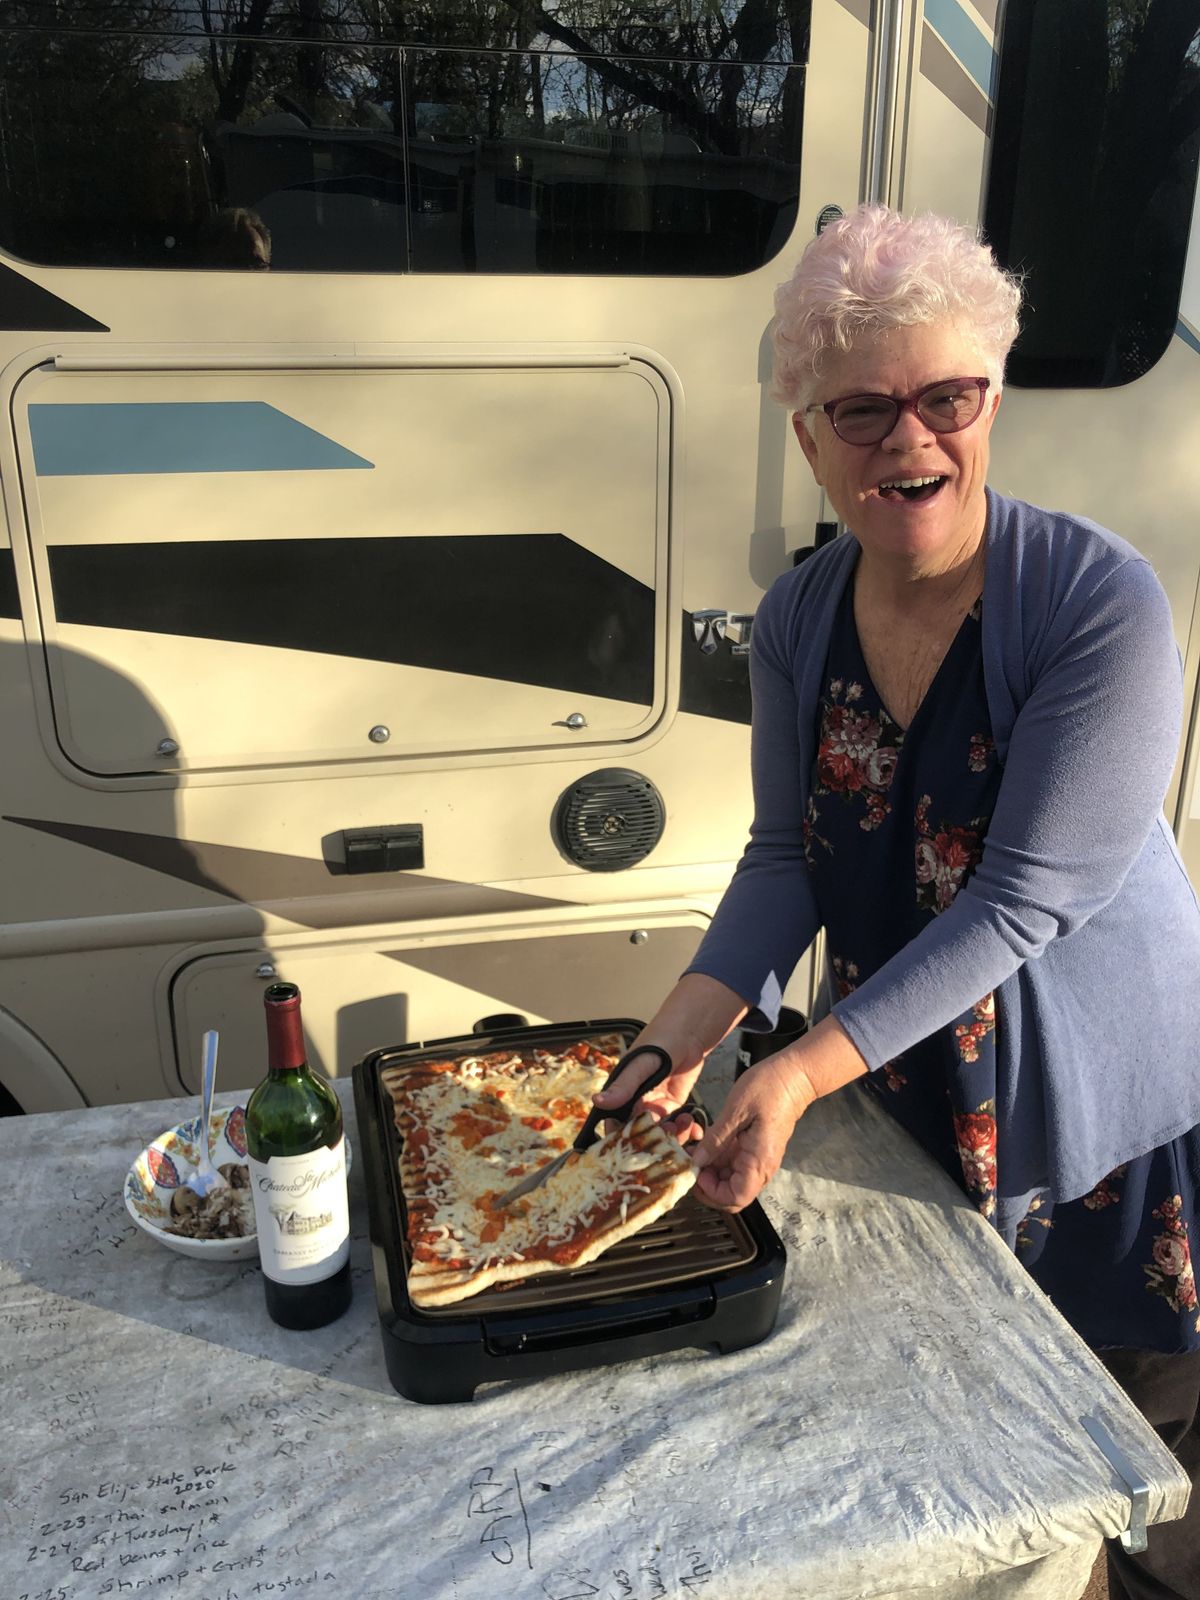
694, 1279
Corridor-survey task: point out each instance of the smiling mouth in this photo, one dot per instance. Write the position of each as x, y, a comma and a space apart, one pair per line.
911, 489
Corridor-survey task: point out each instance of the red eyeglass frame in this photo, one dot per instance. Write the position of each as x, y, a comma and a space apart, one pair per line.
903, 403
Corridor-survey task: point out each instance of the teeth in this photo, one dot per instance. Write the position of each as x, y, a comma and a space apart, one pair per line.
910, 483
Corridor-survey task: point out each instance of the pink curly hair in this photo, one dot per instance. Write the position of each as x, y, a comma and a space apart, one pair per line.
875, 269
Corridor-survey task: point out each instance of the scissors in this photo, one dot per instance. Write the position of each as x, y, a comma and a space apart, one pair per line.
589, 1133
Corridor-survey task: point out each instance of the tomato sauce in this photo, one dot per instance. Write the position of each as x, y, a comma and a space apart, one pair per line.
568, 1250
472, 1129
495, 1218
568, 1109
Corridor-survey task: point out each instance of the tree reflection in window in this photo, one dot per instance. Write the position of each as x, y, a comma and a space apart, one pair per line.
1092, 181
370, 135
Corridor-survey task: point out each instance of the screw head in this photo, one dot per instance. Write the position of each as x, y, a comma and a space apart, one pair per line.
638, 936
265, 970
380, 733
166, 747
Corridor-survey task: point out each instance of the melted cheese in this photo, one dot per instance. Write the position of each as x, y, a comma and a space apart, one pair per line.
457, 1186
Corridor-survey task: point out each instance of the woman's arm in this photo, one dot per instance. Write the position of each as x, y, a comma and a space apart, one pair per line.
767, 917
1087, 767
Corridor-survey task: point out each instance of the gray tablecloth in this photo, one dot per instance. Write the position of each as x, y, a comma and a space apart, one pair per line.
913, 1425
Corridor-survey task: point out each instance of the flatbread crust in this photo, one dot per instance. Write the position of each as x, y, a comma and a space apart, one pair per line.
472, 1128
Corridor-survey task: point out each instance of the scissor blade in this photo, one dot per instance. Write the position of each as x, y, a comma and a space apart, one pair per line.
533, 1181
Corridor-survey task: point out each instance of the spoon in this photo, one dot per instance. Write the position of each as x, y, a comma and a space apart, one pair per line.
206, 1178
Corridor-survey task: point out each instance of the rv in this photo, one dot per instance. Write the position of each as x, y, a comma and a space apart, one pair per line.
389, 475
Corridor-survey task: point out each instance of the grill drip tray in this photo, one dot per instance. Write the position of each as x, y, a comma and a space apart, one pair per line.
696, 1277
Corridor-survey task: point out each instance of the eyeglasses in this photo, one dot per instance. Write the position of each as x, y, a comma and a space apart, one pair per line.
948, 406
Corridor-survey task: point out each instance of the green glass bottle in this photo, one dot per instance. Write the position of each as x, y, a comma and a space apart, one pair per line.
297, 1160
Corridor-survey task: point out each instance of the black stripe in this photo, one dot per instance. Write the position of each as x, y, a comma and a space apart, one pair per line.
26, 305
260, 877
527, 608
9, 604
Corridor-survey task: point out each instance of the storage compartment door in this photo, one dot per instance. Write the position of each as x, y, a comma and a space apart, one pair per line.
361, 993
272, 568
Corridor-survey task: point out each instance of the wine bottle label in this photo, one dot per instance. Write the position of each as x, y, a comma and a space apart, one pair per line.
303, 1215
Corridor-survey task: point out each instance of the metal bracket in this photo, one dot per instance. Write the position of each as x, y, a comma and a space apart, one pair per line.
1133, 1537
711, 626
741, 624
708, 628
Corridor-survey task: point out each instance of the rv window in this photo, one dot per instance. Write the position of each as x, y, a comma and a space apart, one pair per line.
496, 138
1092, 179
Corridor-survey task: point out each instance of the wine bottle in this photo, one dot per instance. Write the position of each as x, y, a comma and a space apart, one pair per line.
297, 1160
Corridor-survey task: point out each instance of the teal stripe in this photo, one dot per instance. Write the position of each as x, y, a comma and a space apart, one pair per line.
947, 18
105, 440
1188, 337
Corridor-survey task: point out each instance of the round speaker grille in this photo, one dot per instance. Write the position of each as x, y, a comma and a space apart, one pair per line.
608, 820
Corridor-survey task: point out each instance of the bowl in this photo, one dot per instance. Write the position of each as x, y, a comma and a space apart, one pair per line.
157, 1175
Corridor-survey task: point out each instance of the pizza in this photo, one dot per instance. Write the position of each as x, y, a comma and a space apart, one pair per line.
471, 1127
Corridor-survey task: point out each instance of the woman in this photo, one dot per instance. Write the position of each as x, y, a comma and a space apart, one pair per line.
965, 719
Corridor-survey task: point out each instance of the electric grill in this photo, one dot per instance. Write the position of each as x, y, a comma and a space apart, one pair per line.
696, 1277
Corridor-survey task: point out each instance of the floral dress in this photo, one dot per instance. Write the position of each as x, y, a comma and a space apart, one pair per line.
896, 823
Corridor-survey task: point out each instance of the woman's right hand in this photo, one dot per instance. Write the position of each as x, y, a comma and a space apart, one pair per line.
693, 1020
665, 1099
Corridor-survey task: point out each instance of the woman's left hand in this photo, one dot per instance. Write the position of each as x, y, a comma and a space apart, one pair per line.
745, 1146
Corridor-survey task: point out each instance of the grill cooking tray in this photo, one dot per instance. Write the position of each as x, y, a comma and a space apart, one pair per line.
696, 1277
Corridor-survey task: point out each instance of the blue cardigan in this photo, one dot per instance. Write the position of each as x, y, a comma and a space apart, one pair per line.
1079, 916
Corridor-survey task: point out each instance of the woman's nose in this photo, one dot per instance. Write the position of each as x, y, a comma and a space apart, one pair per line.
909, 431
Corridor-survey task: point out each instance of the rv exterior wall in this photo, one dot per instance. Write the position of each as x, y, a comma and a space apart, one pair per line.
589, 460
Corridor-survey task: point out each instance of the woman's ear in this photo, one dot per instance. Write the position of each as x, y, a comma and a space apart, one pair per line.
807, 443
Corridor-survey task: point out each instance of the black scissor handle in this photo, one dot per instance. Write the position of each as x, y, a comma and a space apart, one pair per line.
599, 1114
697, 1110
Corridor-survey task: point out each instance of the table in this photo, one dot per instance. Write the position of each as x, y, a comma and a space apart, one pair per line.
913, 1426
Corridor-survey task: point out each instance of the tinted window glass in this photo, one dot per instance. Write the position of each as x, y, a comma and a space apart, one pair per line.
1093, 174
621, 137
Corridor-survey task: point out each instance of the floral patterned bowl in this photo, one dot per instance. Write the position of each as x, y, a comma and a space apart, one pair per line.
156, 1178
